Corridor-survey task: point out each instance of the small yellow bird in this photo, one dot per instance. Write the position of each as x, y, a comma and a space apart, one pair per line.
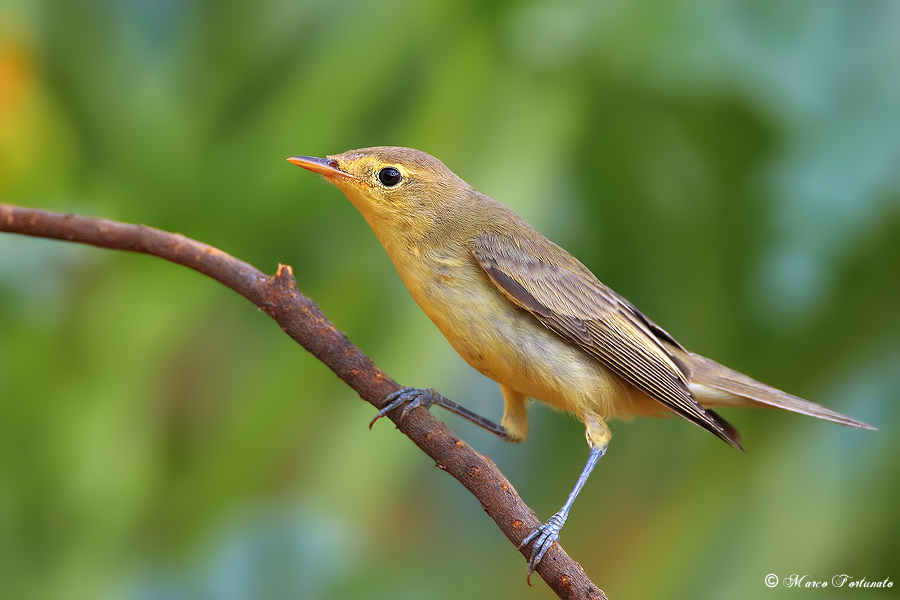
527, 314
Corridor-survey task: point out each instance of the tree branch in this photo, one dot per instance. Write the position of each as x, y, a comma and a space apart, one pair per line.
301, 319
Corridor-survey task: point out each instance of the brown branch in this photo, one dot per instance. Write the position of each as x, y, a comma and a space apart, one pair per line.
301, 319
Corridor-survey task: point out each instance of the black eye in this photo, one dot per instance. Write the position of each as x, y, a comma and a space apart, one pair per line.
389, 176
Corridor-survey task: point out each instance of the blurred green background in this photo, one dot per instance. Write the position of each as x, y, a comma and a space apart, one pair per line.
732, 168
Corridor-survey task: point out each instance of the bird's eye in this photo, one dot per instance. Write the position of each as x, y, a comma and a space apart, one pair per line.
389, 176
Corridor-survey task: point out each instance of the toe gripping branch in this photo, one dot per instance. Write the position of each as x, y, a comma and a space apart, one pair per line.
411, 398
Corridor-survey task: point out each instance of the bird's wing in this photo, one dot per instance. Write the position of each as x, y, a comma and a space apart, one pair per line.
567, 299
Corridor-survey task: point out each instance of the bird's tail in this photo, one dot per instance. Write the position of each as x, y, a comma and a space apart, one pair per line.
717, 385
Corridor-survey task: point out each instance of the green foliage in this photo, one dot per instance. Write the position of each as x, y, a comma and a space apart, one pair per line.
732, 168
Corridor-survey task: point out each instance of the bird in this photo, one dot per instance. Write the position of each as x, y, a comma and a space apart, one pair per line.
527, 314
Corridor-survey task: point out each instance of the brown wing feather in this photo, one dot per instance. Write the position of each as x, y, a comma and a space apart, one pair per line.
571, 302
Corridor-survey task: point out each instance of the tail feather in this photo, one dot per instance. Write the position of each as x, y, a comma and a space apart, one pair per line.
711, 374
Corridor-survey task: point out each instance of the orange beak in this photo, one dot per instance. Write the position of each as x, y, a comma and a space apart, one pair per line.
323, 166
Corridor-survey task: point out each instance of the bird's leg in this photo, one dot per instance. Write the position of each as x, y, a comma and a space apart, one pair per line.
598, 435
411, 398
546, 534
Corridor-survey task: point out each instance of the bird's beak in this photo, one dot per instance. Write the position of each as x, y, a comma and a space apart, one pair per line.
323, 166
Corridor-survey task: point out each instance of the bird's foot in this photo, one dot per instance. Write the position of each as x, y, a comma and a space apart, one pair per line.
543, 538
409, 398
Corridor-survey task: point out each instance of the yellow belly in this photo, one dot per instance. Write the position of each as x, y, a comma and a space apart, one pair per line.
508, 345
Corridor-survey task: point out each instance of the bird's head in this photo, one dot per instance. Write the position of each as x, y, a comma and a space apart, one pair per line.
398, 190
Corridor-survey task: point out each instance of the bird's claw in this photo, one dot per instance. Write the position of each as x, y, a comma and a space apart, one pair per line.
410, 397
543, 537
